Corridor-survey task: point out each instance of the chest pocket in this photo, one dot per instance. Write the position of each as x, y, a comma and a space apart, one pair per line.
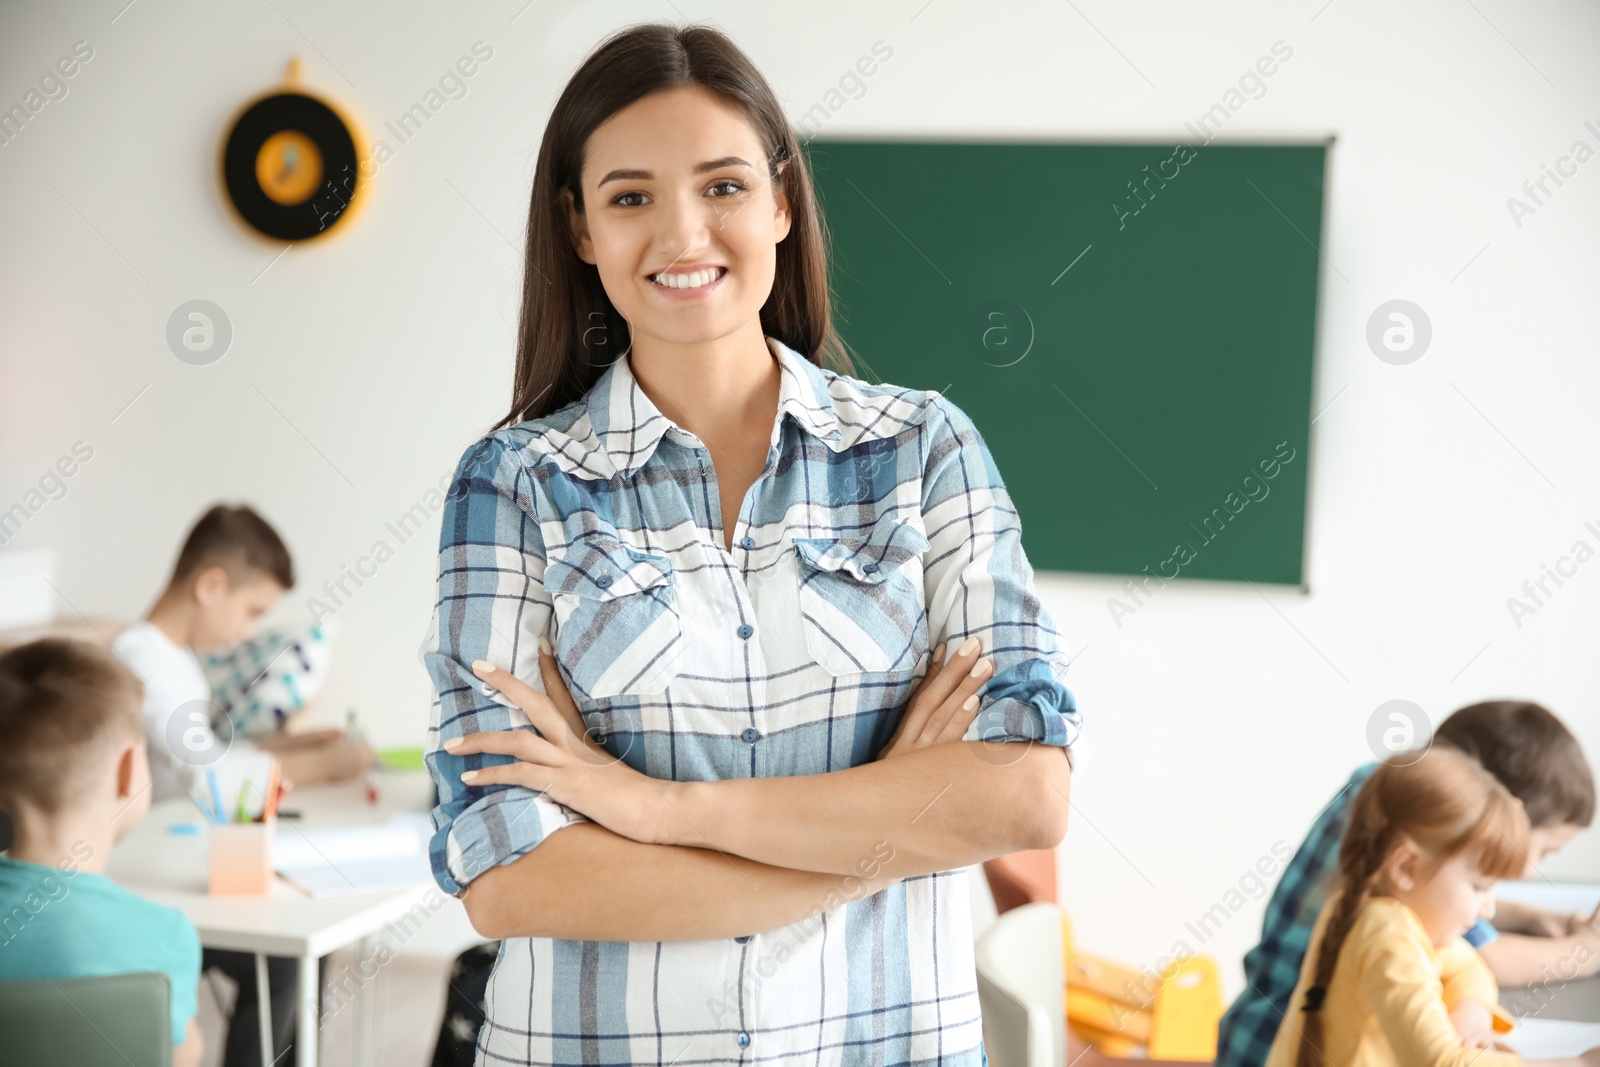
861, 600
618, 630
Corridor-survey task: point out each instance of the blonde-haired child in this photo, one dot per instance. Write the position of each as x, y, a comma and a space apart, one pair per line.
1429, 836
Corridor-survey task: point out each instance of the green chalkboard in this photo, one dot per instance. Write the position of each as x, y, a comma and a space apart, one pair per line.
1130, 326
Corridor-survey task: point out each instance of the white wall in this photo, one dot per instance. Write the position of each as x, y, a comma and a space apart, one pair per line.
1219, 718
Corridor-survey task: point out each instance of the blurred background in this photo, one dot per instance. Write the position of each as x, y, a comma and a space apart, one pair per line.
1218, 717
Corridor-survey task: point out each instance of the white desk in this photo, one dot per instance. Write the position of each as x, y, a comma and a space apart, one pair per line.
172, 870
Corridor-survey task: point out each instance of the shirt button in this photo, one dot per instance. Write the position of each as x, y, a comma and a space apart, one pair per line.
747, 543
871, 568
750, 733
744, 1039
603, 581
745, 631
743, 939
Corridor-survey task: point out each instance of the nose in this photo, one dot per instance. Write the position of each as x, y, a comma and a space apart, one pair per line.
1487, 911
685, 221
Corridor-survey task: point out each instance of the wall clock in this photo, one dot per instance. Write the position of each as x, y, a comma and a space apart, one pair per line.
291, 164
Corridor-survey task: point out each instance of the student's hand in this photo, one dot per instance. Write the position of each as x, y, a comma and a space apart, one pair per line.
1576, 923
338, 761
1474, 1023
290, 742
1541, 923
944, 704
562, 760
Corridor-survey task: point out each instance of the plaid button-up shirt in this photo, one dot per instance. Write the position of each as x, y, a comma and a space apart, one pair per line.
878, 529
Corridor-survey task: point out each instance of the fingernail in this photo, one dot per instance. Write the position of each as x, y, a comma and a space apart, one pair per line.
467, 776
482, 666
968, 648
544, 645
452, 744
983, 667
938, 654
971, 703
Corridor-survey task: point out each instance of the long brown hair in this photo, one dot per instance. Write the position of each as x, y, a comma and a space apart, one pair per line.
570, 332
1444, 801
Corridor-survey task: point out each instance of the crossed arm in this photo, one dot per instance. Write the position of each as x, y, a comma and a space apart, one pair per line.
769, 850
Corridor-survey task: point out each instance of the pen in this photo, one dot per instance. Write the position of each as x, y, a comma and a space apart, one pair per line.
216, 798
269, 805
243, 814
210, 817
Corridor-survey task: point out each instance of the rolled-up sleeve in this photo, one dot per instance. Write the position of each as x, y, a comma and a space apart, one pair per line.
978, 583
491, 605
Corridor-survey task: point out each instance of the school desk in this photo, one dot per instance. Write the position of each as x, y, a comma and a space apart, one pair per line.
1559, 996
171, 869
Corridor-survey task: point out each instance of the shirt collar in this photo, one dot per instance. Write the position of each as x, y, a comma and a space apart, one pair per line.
630, 426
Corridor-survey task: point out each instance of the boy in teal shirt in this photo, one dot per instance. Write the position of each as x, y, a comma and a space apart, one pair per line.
75, 779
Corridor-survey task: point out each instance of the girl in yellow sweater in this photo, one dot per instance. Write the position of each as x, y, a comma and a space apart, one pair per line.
1387, 980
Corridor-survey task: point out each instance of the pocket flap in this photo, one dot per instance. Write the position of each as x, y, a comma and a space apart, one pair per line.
870, 560
603, 568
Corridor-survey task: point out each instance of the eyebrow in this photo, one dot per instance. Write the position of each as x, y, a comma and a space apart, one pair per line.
700, 168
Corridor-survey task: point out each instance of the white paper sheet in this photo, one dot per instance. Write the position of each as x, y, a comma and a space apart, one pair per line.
1559, 897
357, 859
1536, 1038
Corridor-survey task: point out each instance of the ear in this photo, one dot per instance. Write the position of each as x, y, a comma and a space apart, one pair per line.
210, 585
781, 217
1402, 867
126, 770
578, 227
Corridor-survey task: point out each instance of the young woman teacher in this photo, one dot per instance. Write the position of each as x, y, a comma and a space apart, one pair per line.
715, 580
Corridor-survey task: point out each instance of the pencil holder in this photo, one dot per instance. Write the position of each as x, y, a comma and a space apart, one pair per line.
241, 858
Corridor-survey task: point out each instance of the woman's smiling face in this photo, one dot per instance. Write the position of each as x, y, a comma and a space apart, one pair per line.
676, 184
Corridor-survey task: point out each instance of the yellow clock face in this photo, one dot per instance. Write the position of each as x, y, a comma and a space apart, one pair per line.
289, 167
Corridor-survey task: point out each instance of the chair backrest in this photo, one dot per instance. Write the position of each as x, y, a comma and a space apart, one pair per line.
118, 1020
1020, 878
1021, 988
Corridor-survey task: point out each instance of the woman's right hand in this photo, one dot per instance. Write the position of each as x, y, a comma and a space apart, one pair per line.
945, 701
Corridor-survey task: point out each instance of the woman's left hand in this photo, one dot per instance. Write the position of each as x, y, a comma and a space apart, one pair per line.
565, 763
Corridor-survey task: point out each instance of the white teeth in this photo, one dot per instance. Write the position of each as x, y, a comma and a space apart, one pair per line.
689, 281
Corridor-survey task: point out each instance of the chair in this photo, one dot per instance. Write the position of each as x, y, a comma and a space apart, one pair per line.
1124, 1013
1020, 984
1021, 878
119, 1020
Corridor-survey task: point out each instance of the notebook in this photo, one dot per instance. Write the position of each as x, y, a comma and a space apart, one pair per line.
1552, 1038
1559, 897
356, 859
